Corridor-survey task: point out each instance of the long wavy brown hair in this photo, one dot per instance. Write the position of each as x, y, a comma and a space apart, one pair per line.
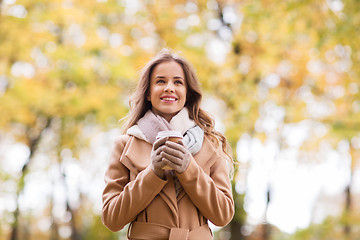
139, 104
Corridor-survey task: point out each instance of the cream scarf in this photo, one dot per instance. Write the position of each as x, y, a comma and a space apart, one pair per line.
150, 124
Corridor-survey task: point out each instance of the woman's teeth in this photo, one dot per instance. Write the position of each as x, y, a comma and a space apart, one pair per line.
168, 99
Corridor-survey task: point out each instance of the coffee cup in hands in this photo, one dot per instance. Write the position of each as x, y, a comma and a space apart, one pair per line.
173, 136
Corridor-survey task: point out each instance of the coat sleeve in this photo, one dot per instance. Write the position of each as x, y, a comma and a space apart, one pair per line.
211, 194
123, 199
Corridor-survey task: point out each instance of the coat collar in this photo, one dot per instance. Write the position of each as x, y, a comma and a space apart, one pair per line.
136, 154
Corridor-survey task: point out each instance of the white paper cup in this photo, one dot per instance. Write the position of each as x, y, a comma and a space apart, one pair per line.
173, 136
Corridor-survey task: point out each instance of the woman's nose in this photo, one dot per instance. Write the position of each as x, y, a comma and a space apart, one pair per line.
169, 87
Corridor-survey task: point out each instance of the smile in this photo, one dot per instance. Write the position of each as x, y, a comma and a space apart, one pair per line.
168, 99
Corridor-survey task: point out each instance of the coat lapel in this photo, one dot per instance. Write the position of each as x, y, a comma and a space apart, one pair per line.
136, 157
202, 158
168, 194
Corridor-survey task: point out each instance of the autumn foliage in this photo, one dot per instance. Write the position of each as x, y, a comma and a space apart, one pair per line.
67, 68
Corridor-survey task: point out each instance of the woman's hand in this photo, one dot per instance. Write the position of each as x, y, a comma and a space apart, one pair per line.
175, 155
156, 159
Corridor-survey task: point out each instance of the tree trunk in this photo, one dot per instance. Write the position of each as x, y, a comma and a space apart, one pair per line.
54, 229
74, 233
33, 142
239, 218
266, 230
14, 228
235, 229
347, 227
348, 200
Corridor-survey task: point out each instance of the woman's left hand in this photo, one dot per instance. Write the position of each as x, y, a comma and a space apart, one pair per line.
176, 156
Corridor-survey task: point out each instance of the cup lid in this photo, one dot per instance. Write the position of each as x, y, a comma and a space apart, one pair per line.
162, 134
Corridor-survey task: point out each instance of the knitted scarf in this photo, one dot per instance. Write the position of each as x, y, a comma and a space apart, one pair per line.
150, 124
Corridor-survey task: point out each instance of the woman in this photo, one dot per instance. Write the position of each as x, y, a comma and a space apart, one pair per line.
168, 204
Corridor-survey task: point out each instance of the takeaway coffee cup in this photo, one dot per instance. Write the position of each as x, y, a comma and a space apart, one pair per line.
173, 136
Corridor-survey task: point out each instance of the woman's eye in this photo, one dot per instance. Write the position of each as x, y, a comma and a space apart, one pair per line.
160, 81
178, 82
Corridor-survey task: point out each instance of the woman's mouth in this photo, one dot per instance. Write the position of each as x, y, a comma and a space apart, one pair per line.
168, 99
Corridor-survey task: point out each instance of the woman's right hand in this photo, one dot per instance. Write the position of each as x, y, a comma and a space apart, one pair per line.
156, 158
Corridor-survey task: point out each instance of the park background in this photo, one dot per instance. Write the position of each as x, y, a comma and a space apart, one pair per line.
281, 79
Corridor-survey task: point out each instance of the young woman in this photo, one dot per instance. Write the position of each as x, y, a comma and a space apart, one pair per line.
168, 204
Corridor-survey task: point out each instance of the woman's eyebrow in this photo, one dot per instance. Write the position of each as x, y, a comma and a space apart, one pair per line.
176, 77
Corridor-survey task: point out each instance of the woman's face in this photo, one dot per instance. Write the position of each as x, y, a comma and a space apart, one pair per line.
167, 89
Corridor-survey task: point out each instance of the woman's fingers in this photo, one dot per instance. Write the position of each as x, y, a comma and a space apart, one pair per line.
172, 151
156, 159
177, 146
159, 142
174, 159
174, 155
170, 164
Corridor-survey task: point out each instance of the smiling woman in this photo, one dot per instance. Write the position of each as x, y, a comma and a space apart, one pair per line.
160, 203
167, 89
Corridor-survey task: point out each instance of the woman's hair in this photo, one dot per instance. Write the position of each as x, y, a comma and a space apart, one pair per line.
139, 104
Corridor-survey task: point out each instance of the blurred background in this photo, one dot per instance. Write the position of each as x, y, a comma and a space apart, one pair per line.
281, 78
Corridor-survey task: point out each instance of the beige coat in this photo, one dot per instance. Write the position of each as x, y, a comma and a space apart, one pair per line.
134, 193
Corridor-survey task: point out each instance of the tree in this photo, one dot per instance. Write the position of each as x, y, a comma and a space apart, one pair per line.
70, 65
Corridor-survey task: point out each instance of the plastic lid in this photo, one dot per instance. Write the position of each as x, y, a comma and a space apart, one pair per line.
162, 134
